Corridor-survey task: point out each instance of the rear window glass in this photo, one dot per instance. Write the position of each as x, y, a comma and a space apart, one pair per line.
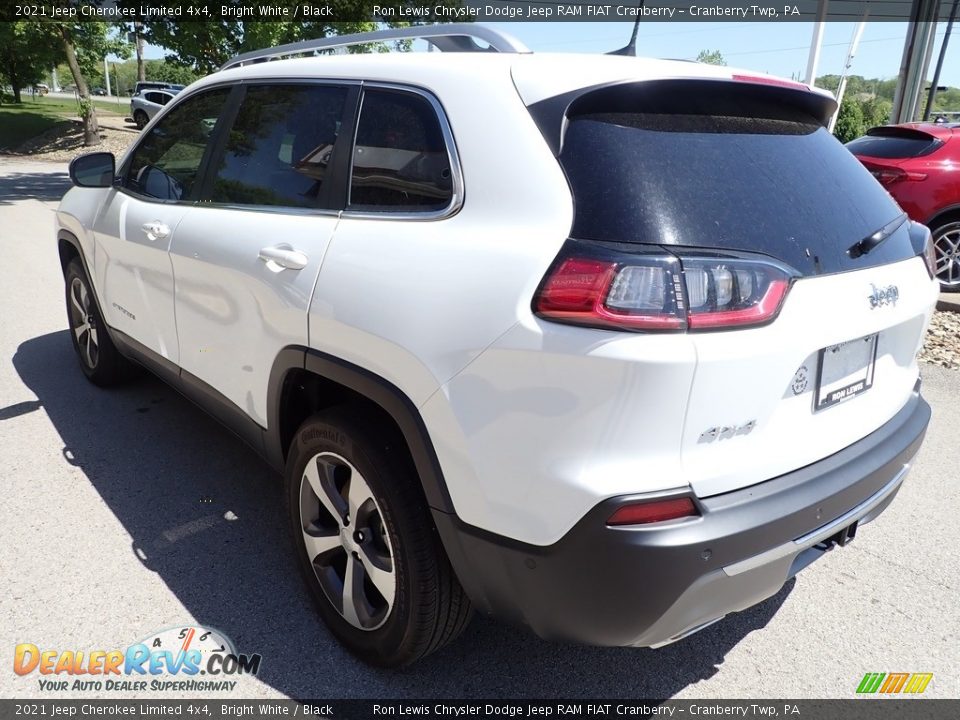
780, 187
893, 145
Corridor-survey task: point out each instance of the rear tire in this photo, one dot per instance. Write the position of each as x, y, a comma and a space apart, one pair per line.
99, 359
946, 244
366, 545
141, 119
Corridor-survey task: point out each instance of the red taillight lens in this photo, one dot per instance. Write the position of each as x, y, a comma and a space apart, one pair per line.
661, 291
653, 511
611, 294
891, 175
733, 293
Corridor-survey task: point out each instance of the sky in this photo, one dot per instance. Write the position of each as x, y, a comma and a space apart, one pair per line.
777, 48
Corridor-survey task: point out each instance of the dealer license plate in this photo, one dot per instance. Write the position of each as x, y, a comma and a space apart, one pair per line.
846, 370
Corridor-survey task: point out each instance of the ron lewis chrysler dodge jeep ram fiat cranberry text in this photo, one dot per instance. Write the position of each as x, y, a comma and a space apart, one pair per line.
607, 346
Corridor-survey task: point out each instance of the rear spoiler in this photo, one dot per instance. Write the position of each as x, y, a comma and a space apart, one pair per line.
743, 96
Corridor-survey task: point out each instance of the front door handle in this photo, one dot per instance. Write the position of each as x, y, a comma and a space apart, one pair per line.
155, 230
283, 256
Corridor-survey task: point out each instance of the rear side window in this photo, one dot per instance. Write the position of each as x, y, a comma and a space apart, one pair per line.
165, 163
894, 143
400, 158
279, 148
773, 184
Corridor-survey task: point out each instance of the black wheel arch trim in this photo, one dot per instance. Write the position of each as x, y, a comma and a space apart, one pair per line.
375, 388
949, 210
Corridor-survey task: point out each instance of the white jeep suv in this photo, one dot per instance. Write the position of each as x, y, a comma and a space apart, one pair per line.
607, 346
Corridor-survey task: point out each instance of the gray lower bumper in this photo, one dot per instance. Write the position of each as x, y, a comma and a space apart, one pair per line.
651, 586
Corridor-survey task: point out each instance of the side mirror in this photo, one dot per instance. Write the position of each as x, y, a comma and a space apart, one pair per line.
94, 170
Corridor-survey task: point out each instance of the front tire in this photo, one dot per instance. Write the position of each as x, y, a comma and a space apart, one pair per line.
365, 543
99, 359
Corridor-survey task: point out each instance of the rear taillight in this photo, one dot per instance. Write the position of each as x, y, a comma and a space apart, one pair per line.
651, 289
653, 511
891, 175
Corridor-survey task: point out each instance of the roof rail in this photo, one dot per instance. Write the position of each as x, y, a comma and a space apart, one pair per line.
452, 37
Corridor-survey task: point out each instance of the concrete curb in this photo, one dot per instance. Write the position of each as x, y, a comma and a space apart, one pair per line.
949, 302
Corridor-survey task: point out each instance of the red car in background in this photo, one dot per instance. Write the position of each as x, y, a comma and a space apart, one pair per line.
919, 165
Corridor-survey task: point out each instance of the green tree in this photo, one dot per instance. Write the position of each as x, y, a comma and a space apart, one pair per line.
850, 121
25, 55
85, 45
711, 57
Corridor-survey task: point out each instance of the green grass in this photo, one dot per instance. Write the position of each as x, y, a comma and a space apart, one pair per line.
19, 123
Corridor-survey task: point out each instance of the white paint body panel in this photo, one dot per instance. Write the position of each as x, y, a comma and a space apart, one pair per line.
134, 273
235, 312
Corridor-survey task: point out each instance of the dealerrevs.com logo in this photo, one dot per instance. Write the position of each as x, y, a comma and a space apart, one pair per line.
187, 659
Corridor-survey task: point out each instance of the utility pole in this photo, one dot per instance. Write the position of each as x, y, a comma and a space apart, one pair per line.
842, 87
138, 33
106, 74
813, 60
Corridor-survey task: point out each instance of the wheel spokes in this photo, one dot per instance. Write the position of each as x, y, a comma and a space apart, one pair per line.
320, 474
352, 593
380, 571
346, 541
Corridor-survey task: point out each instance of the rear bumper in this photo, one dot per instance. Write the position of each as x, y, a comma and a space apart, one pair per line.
650, 586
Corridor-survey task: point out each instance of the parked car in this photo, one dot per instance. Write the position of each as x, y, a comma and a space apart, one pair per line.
144, 85
613, 359
41, 89
101, 92
144, 106
919, 164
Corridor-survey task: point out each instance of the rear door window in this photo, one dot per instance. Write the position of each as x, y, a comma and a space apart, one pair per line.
400, 158
279, 149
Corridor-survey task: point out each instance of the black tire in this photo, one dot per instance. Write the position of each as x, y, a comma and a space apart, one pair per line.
99, 359
946, 243
141, 119
429, 608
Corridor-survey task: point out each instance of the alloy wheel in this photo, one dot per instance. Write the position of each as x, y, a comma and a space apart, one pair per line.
946, 243
347, 541
84, 323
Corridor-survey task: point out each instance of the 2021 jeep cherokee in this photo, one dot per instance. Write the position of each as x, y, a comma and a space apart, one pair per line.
607, 346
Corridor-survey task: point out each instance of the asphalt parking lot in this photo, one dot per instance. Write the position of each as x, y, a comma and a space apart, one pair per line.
104, 540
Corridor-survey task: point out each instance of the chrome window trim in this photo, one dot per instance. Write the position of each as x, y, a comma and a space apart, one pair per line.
457, 190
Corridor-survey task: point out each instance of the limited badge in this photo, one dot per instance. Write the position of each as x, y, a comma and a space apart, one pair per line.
800, 380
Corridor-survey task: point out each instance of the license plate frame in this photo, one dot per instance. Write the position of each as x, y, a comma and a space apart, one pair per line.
845, 370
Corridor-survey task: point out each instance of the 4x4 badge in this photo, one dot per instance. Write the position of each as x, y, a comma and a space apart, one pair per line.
883, 296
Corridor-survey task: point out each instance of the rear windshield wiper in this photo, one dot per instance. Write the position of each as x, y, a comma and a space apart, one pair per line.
864, 246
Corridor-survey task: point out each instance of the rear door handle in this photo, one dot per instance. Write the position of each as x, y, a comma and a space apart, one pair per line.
155, 230
284, 256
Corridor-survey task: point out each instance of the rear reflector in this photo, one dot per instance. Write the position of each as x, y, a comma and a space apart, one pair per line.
653, 511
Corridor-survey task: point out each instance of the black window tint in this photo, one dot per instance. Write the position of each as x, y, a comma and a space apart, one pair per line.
166, 161
400, 160
780, 187
280, 146
894, 143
